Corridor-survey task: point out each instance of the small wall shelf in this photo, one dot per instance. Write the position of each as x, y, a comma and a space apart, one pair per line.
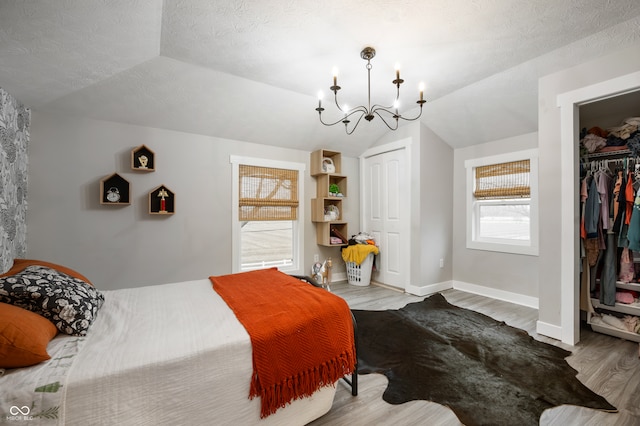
143, 159
318, 157
326, 230
324, 183
115, 190
321, 209
162, 201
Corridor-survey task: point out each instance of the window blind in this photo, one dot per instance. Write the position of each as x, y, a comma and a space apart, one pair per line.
503, 180
267, 193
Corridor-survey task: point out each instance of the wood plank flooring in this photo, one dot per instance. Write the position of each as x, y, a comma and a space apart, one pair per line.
607, 365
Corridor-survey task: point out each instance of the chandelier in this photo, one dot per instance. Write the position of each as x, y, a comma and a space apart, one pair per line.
369, 111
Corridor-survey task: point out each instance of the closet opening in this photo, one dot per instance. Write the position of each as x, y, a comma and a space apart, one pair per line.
575, 106
609, 229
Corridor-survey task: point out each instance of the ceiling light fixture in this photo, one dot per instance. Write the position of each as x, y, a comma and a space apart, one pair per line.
369, 112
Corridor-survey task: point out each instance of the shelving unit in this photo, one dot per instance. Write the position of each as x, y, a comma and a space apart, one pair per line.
327, 207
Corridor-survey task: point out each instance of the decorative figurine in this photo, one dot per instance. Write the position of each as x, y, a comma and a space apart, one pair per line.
326, 274
316, 272
163, 203
143, 161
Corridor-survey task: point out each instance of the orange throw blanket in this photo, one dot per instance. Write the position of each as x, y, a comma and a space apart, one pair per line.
302, 336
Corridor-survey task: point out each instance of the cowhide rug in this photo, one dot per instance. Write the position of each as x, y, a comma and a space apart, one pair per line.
487, 372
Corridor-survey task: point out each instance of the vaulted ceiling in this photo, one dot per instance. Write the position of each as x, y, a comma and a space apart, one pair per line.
250, 70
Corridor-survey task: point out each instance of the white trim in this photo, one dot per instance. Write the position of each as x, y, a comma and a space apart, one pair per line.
568, 103
502, 158
507, 296
599, 91
549, 330
428, 289
263, 162
338, 277
388, 147
298, 226
531, 247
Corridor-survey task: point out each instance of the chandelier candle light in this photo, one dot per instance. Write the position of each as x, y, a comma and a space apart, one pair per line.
369, 111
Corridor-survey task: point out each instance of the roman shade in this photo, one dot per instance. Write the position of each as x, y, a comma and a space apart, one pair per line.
503, 180
267, 193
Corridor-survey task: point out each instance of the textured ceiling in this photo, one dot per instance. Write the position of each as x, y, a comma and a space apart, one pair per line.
250, 69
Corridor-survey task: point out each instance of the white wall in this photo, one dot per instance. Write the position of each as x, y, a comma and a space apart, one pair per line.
550, 183
496, 272
119, 247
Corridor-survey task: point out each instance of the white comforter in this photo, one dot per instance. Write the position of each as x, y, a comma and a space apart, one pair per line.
171, 354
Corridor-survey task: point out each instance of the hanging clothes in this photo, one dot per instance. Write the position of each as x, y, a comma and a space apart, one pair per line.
618, 201
633, 234
592, 210
604, 189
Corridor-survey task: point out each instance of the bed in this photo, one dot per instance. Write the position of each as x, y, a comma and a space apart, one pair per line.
165, 354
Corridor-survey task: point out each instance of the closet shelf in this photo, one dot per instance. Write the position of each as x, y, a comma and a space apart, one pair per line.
629, 309
607, 329
628, 286
608, 154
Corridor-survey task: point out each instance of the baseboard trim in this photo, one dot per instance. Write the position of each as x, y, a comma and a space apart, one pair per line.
507, 296
549, 330
429, 289
337, 277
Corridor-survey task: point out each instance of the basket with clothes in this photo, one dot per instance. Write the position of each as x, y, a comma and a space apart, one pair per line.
359, 259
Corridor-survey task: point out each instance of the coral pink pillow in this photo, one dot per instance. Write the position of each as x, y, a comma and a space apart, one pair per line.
24, 337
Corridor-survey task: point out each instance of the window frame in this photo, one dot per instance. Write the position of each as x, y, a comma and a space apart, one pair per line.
297, 225
473, 241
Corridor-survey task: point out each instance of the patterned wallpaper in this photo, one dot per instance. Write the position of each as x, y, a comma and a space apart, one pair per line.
14, 141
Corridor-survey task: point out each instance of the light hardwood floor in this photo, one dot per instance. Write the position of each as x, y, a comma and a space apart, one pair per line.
607, 365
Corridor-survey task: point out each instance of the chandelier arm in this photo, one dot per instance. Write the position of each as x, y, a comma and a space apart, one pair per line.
360, 109
355, 125
383, 107
331, 124
412, 119
335, 98
385, 121
379, 108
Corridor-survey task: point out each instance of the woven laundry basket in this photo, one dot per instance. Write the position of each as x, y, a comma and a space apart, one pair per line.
360, 274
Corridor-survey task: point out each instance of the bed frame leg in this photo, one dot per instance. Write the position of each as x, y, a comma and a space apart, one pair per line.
354, 376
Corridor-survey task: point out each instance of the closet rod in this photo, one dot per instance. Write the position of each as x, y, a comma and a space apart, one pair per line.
596, 164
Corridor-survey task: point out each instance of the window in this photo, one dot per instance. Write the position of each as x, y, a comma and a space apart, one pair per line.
266, 231
502, 199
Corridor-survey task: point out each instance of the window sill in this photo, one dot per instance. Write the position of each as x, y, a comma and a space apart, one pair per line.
503, 248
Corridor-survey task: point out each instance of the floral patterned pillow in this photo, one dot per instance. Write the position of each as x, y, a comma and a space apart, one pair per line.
70, 303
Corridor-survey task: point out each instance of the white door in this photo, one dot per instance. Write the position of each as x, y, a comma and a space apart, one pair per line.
386, 214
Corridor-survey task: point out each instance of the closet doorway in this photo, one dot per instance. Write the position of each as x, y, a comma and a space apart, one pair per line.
385, 210
570, 104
